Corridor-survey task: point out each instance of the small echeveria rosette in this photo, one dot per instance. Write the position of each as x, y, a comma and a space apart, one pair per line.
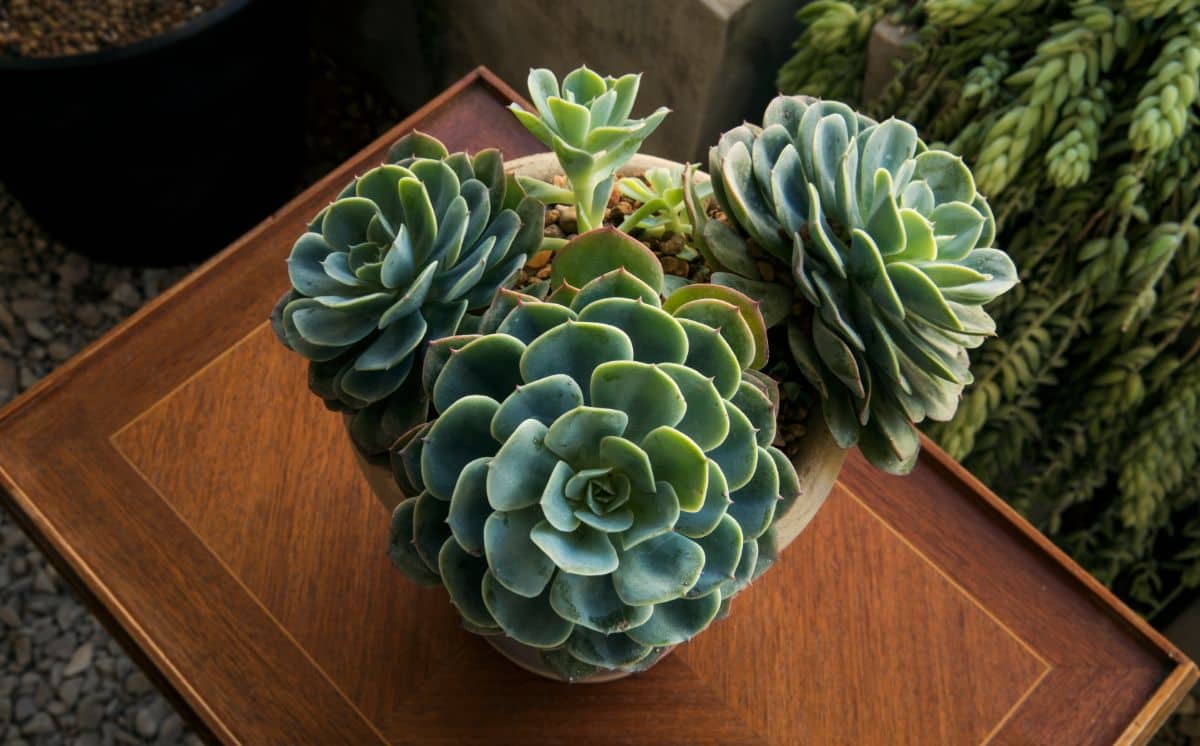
398, 259
600, 479
889, 243
586, 123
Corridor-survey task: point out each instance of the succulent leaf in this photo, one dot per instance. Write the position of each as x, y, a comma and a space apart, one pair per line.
676, 621
597, 252
592, 602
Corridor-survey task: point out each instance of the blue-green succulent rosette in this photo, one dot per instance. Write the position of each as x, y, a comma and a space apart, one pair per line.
890, 247
599, 480
401, 257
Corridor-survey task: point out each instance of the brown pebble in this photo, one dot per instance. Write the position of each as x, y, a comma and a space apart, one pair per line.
568, 220
551, 216
673, 265
539, 260
673, 245
59, 351
554, 231
544, 273
766, 270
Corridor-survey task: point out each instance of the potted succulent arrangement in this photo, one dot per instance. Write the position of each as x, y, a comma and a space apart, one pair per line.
595, 439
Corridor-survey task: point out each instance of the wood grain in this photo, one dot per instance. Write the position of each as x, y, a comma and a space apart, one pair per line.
215, 517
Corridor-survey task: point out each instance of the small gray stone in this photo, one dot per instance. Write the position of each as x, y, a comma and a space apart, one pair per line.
38, 330
22, 651
73, 270
90, 712
27, 378
59, 350
127, 295
105, 665
137, 683
9, 617
171, 729
40, 724
87, 739
8, 379
6, 708
146, 723
62, 647
80, 661
88, 315
68, 691
7, 321
24, 710
32, 309
43, 583
66, 614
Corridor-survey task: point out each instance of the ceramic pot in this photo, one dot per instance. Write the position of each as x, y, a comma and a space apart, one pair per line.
817, 465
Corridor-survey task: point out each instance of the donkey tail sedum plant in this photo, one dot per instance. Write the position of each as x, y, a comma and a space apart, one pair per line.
890, 245
398, 259
600, 480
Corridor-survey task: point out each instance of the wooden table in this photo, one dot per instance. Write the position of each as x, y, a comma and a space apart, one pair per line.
210, 509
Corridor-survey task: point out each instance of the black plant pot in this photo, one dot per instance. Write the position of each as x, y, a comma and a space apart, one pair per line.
163, 151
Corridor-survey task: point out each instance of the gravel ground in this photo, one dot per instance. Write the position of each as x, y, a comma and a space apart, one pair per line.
63, 679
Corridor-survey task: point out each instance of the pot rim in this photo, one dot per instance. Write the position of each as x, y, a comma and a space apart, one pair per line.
186, 30
539, 164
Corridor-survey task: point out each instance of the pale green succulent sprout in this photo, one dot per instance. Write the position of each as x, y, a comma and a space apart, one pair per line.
586, 124
398, 259
600, 479
663, 209
889, 243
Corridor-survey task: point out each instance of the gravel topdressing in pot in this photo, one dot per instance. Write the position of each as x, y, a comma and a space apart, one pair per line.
63, 28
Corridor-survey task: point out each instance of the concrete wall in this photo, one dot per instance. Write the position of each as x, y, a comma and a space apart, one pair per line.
712, 62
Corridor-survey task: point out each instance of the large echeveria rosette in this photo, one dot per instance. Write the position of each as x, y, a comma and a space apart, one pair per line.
600, 479
398, 259
890, 245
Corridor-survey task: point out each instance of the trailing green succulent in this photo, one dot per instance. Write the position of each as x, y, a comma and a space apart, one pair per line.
600, 479
398, 259
587, 125
663, 207
890, 245
1084, 111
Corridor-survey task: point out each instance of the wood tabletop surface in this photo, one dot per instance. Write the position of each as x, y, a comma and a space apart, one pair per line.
209, 509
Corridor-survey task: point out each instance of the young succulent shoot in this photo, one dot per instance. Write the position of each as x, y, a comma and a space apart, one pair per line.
587, 125
398, 259
663, 209
600, 480
890, 245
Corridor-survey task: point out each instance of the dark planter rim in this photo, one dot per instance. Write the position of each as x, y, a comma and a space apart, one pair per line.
94, 59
